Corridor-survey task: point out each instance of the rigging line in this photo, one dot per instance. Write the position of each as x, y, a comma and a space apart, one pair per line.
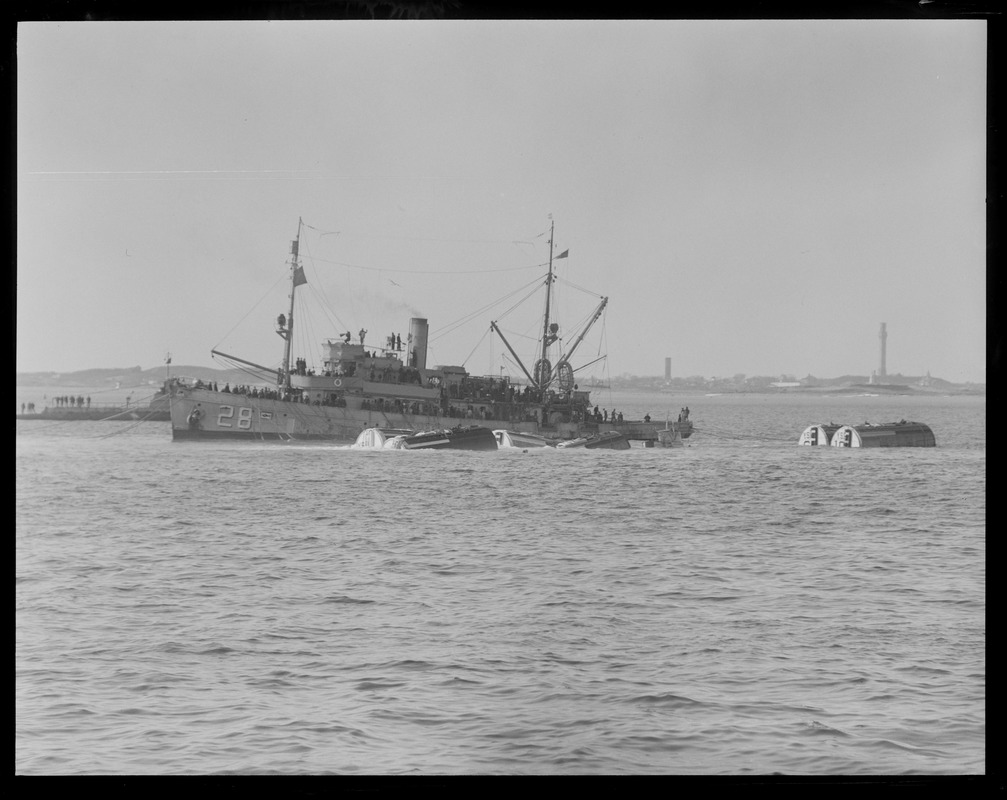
533, 337
603, 339
432, 238
453, 325
306, 331
535, 325
573, 285
476, 347
731, 432
721, 434
515, 367
304, 334
125, 410
580, 324
509, 310
740, 436
319, 290
329, 312
236, 367
124, 430
327, 308
430, 271
247, 315
322, 232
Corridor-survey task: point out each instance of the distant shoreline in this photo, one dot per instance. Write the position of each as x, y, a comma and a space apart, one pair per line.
977, 390
134, 380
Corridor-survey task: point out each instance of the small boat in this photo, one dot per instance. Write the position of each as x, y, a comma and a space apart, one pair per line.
472, 437
610, 440
506, 439
673, 433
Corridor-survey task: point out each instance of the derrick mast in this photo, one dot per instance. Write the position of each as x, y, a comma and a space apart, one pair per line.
550, 330
285, 327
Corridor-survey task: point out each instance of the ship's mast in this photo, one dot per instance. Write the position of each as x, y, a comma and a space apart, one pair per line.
549, 294
543, 368
288, 333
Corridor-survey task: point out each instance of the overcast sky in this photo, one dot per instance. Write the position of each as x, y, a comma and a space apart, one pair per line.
753, 197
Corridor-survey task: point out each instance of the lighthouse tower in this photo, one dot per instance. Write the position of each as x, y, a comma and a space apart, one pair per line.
883, 336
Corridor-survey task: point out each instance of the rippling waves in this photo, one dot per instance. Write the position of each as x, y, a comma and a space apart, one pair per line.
738, 606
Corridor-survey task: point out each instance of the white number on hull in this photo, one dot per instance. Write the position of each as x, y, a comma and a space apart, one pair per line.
227, 414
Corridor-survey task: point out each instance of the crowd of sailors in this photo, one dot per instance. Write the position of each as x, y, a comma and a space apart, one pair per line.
69, 401
393, 342
63, 401
481, 399
78, 402
604, 416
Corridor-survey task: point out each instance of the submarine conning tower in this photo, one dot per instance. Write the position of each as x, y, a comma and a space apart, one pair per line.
416, 348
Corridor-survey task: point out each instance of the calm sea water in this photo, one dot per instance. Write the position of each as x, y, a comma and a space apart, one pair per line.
739, 606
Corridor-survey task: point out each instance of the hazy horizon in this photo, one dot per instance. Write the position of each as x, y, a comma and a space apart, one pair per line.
174, 370
753, 197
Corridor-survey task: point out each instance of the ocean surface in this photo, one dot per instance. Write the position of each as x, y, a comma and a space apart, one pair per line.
738, 606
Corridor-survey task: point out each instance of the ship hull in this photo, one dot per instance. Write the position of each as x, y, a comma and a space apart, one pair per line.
199, 414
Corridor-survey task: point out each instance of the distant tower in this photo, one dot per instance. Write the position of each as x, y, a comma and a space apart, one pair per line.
883, 336
667, 369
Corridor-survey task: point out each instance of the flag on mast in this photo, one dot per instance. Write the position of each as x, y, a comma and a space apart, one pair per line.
299, 276
564, 254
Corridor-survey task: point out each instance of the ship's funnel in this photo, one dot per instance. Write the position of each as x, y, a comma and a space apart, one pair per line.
416, 349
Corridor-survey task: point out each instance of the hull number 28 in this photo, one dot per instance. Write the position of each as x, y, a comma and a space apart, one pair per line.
226, 417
